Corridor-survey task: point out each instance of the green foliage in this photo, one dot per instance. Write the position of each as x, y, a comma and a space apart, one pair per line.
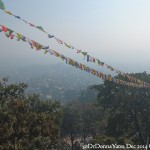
105, 140
120, 115
126, 109
71, 125
80, 122
27, 122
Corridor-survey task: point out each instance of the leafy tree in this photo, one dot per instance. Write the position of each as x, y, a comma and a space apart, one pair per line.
127, 109
9, 92
80, 121
71, 125
92, 120
27, 122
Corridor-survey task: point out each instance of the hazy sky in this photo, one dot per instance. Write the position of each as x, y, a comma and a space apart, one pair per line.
115, 31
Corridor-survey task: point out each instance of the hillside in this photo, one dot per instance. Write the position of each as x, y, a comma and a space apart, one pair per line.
57, 81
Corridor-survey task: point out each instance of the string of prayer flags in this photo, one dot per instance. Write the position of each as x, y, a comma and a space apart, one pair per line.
79, 65
51, 36
71, 47
2, 7
8, 32
89, 58
39, 47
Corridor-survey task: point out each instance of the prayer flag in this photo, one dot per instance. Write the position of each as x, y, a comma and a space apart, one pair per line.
2, 7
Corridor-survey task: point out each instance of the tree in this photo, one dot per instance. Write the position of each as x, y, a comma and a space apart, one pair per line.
80, 121
127, 110
93, 121
26, 122
71, 125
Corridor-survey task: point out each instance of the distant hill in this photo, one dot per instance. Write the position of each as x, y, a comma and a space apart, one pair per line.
57, 81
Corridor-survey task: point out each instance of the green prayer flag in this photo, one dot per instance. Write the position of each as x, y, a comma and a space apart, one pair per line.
2, 7
9, 32
84, 53
40, 28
